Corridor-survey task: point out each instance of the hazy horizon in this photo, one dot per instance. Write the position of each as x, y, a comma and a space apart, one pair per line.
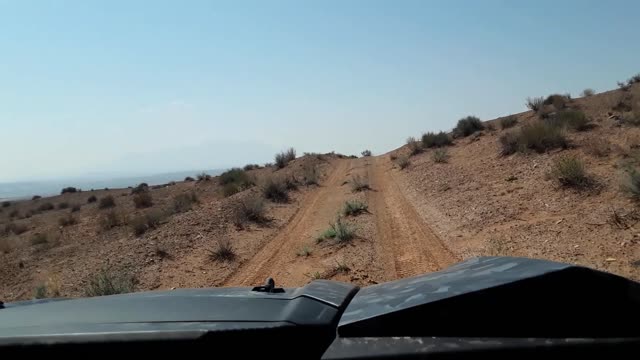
148, 87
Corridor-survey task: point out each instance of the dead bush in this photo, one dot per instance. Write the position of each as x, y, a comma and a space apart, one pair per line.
358, 183
203, 176
112, 219
45, 206
67, 220
251, 209
285, 157
535, 103
508, 122
75, 208
14, 228
558, 101
588, 92
310, 175
569, 172
183, 202
598, 147
223, 251
92, 199
39, 239
414, 146
275, 190
107, 202
403, 162
110, 282
539, 137
440, 156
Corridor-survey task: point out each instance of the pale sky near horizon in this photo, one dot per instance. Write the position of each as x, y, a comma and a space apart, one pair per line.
131, 87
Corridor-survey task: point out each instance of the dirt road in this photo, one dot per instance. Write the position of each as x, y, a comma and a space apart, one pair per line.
404, 245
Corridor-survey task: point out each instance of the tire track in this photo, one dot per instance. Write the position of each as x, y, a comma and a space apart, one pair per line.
278, 256
405, 243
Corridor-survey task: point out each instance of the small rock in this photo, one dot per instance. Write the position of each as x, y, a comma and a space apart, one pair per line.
610, 259
173, 288
559, 221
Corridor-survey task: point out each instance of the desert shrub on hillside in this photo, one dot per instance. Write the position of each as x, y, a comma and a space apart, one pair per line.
440, 156
310, 175
358, 183
539, 137
223, 251
14, 213
508, 122
92, 199
631, 184
140, 188
572, 119
39, 239
63, 205
36, 197
183, 202
6, 204
107, 202
189, 179
588, 92
285, 157
414, 146
569, 171
631, 118
275, 190
142, 200
403, 162
112, 219
598, 147
45, 206
150, 220
69, 189
75, 208
251, 167
110, 282
535, 103
467, 126
558, 101
353, 208
430, 139
67, 220
234, 181
251, 209
14, 228
203, 176
366, 153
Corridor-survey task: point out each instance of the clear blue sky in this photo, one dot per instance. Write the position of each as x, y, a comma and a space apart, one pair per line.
153, 86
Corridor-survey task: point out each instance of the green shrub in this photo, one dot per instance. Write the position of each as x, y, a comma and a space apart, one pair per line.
110, 282
45, 206
189, 179
275, 190
183, 202
414, 146
467, 126
539, 137
285, 157
569, 171
508, 122
67, 220
440, 156
230, 189
430, 139
92, 199
69, 189
366, 153
40, 292
353, 208
142, 200
39, 239
223, 251
588, 92
6, 204
535, 103
63, 205
339, 230
235, 176
36, 197
403, 162
107, 202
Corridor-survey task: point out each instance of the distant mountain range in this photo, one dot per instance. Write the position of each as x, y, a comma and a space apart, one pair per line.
27, 189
